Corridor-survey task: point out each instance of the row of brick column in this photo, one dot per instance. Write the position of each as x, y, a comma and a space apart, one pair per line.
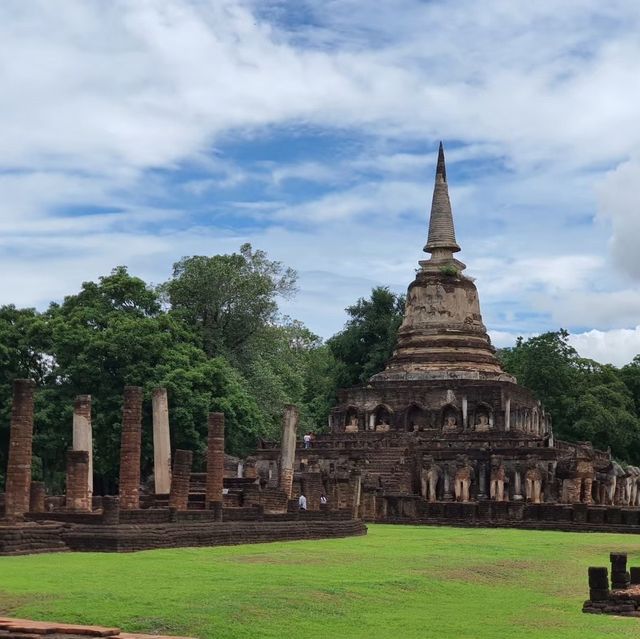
22, 495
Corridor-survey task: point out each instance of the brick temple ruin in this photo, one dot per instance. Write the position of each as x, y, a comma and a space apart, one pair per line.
225, 505
444, 435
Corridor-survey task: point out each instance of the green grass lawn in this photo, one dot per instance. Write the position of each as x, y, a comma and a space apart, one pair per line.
399, 582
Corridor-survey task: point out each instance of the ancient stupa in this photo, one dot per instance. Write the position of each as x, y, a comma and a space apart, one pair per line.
444, 374
442, 335
443, 421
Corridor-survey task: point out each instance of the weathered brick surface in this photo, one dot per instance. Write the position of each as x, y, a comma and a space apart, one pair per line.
180, 478
126, 538
130, 448
18, 481
36, 497
77, 493
110, 510
82, 432
215, 462
25, 538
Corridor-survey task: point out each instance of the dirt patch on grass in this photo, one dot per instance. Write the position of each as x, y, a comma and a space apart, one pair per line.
495, 572
275, 560
10, 602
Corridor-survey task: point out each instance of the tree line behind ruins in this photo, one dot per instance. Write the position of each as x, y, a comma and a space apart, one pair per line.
214, 337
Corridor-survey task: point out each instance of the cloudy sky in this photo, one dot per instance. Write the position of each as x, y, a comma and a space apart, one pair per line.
139, 132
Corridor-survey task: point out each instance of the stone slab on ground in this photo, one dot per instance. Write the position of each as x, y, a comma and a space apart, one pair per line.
26, 628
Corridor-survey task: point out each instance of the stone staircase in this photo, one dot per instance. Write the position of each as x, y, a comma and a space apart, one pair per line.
388, 468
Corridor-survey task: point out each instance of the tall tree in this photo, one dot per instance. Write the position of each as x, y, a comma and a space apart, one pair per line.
362, 348
228, 298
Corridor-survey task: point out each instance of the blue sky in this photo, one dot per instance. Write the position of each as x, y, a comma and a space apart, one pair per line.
137, 133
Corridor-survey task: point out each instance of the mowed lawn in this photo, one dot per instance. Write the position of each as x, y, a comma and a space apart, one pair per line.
398, 582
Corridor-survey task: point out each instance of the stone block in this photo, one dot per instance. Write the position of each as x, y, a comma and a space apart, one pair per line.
516, 511
596, 515
598, 577
629, 516
614, 516
599, 594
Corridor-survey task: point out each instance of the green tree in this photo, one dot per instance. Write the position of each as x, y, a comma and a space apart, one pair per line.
588, 401
548, 365
363, 347
228, 298
114, 333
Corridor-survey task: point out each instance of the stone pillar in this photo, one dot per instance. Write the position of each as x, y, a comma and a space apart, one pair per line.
215, 463
130, 448
110, 510
161, 442
179, 495
36, 497
507, 414
288, 448
357, 493
18, 481
77, 496
464, 412
82, 432
482, 480
446, 481
517, 483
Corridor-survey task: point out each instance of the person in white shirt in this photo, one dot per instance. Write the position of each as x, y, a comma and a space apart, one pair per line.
307, 440
323, 500
302, 502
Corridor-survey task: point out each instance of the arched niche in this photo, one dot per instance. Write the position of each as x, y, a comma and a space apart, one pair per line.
450, 418
351, 422
416, 418
381, 418
482, 418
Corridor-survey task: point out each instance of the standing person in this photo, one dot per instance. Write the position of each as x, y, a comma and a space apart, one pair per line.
302, 502
307, 440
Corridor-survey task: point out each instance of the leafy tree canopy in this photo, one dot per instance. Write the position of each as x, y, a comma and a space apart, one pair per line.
366, 343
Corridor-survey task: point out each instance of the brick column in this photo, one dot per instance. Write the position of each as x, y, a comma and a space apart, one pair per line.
215, 463
288, 448
18, 482
110, 510
82, 432
161, 442
36, 497
179, 495
77, 497
130, 448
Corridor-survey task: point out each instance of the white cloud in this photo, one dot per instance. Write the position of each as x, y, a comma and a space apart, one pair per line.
540, 98
616, 346
619, 204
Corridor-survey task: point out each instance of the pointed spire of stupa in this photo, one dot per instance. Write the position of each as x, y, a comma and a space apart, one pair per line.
442, 236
